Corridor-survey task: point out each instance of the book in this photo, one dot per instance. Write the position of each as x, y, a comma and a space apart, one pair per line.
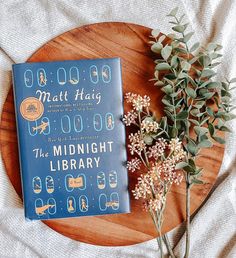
71, 138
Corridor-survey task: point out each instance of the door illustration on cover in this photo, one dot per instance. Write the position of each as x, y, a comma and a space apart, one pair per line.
80, 181
39, 207
44, 126
52, 207
78, 123
94, 74
97, 122
109, 120
68, 183
41, 126
113, 179
101, 180
65, 124
115, 202
37, 184
102, 201
28, 78
83, 203
71, 204
106, 73
41, 77
49, 184
74, 75
61, 76
31, 127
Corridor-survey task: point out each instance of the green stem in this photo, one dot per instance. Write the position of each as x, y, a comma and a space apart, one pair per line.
167, 242
159, 239
144, 151
187, 240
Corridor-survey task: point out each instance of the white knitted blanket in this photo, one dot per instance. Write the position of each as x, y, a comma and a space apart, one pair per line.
25, 25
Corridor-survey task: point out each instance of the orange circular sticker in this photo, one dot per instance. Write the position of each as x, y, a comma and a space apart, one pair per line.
31, 108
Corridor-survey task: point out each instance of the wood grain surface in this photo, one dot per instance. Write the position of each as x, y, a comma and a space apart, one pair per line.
130, 43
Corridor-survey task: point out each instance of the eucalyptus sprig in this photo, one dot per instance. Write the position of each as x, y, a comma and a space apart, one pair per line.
196, 104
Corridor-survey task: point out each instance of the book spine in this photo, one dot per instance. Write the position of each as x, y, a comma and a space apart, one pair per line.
23, 173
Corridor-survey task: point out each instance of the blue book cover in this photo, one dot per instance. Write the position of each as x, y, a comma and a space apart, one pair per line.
71, 138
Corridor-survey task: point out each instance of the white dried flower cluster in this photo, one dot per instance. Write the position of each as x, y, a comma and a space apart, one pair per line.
169, 173
154, 204
162, 172
149, 126
158, 149
143, 188
133, 164
130, 118
137, 144
176, 148
177, 154
175, 145
150, 189
138, 102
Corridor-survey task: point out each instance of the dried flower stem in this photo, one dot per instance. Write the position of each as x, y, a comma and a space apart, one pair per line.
159, 157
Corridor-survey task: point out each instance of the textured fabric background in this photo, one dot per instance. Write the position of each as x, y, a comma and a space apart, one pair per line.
26, 25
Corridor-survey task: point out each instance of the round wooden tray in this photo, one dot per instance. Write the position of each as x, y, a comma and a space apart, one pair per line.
130, 43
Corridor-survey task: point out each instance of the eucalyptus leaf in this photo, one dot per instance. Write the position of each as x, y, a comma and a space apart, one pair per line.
208, 95
224, 129
181, 165
189, 169
179, 28
166, 52
182, 75
174, 61
211, 47
166, 102
182, 115
208, 73
204, 60
197, 181
200, 130
185, 66
157, 47
181, 50
192, 148
194, 112
211, 129
204, 84
190, 92
169, 114
188, 36
162, 66
194, 47
199, 104
173, 132
194, 121
167, 89
159, 83
173, 12
213, 85
155, 33
219, 139
205, 144
210, 111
